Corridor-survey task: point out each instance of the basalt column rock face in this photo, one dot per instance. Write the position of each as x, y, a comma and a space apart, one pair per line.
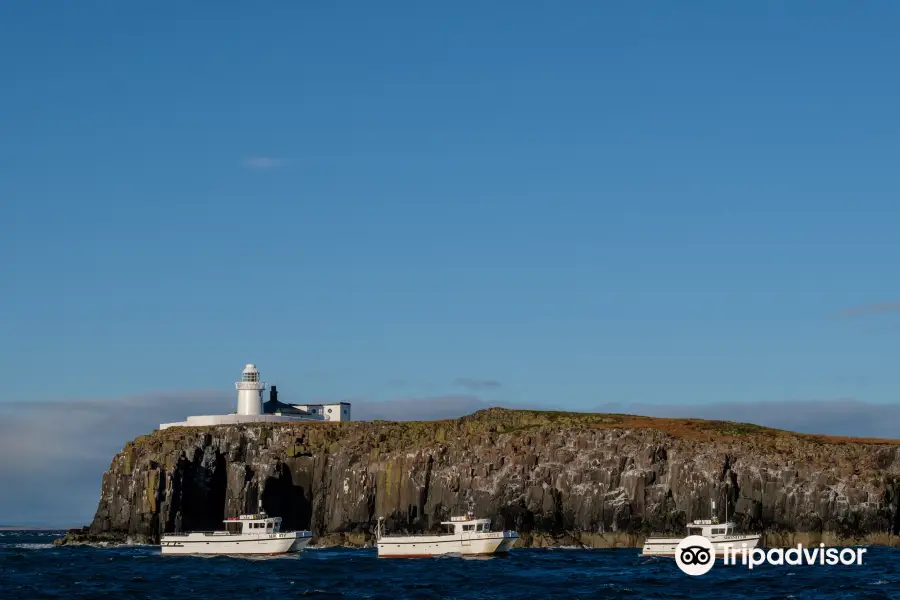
557, 478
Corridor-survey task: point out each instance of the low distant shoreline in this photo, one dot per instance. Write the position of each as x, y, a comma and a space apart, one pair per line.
32, 528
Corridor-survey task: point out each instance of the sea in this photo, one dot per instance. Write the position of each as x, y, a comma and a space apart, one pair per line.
31, 568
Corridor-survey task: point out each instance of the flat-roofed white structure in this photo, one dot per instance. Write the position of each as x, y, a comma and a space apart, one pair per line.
329, 412
252, 409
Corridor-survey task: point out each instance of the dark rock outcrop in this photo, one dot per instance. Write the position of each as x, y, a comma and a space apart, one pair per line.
558, 478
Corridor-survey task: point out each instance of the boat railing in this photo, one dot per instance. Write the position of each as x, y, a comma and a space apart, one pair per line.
676, 536
416, 534
442, 534
189, 533
278, 534
380, 533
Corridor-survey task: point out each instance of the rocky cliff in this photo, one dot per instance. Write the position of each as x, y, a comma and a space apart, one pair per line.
557, 478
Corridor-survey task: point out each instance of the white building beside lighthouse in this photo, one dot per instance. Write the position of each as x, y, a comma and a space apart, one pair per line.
252, 409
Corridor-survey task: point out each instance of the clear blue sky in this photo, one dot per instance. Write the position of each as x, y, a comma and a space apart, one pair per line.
587, 202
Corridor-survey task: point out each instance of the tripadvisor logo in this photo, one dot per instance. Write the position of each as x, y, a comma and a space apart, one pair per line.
695, 555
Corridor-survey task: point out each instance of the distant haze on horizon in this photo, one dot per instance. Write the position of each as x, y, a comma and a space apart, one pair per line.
683, 208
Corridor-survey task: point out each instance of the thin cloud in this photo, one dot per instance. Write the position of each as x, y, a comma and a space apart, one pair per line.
871, 309
263, 163
476, 385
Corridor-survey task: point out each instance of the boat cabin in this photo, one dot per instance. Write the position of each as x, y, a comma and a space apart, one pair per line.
708, 528
466, 524
250, 524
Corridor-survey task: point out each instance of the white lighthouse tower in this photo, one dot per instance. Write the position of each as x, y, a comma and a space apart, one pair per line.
250, 392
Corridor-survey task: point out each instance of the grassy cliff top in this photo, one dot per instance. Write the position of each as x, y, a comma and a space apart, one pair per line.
506, 421
692, 429
696, 429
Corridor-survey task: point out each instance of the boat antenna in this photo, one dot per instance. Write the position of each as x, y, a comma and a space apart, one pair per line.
727, 494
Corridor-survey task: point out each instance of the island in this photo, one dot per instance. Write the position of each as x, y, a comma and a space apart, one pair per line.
558, 478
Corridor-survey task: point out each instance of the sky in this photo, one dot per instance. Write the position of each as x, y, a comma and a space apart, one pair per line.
683, 207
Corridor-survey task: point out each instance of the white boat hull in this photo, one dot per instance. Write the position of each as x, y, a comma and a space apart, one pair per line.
665, 546
225, 543
467, 544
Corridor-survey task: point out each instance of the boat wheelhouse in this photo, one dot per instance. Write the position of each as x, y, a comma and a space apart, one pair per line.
463, 535
247, 534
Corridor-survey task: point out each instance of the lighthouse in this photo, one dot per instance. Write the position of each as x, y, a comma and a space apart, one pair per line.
250, 392
251, 409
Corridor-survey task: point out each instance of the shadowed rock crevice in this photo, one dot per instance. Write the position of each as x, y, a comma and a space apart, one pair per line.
201, 484
286, 495
557, 478
892, 508
422, 518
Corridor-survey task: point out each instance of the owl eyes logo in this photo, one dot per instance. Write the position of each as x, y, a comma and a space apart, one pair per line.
694, 555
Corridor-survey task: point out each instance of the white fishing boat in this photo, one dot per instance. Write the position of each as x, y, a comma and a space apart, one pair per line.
721, 535
247, 534
466, 536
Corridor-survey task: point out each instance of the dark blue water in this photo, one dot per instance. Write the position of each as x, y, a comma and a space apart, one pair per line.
31, 568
